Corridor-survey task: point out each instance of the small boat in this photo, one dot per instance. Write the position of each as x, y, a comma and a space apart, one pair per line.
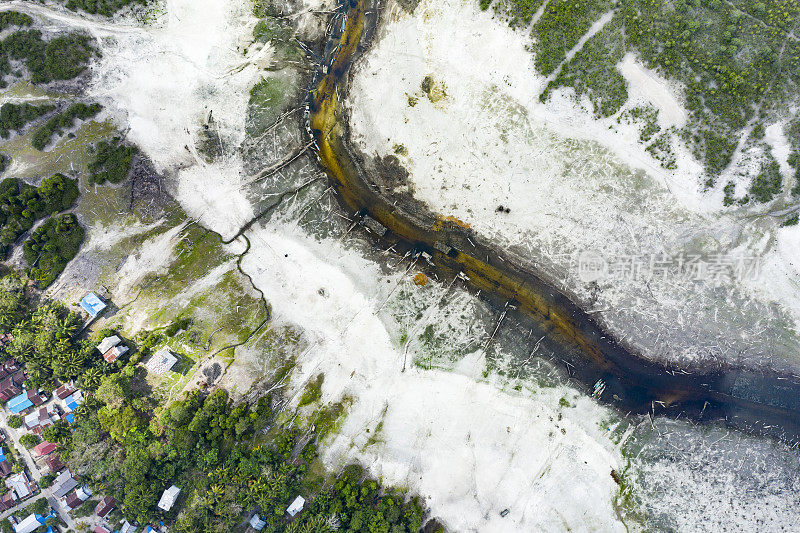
599, 388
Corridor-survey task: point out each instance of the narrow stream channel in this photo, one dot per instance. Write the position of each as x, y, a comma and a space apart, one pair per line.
763, 403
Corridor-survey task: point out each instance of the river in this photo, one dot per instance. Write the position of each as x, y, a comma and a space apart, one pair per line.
762, 403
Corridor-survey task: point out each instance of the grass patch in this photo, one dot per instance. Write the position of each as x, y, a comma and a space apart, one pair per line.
312, 391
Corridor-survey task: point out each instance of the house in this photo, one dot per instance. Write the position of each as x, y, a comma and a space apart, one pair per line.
37, 397
296, 506
168, 498
107, 343
127, 528
6, 339
71, 501
72, 401
5, 466
115, 353
256, 523
63, 484
111, 348
105, 506
9, 388
26, 399
21, 485
54, 463
100, 529
83, 493
7, 501
31, 523
64, 390
92, 304
161, 361
44, 448
19, 403
37, 420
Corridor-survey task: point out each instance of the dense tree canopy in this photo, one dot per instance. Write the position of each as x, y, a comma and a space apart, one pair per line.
14, 117
62, 58
21, 204
112, 161
51, 246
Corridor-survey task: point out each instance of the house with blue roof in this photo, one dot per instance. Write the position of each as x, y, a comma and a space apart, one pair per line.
17, 404
72, 401
92, 304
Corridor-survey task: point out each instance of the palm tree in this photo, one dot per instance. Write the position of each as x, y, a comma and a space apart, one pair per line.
90, 379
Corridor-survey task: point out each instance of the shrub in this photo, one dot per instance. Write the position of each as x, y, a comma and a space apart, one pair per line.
101, 7
313, 391
29, 440
112, 161
14, 18
14, 422
14, 117
768, 182
51, 247
56, 125
63, 58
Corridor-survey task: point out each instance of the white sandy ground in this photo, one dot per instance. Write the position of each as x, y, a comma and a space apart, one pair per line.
164, 82
472, 449
471, 446
648, 86
574, 184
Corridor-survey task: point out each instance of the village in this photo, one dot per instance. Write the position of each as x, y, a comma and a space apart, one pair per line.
41, 493
30, 466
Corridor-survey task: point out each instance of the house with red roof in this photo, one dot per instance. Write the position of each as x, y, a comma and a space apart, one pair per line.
44, 448
105, 506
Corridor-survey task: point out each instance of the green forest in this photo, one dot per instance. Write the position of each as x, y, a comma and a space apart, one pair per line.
61, 58
22, 204
738, 61
51, 246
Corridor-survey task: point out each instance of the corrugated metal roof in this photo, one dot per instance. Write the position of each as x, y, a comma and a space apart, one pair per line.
17, 404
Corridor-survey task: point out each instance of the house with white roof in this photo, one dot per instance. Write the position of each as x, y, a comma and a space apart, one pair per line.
111, 349
256, 522
296, 506
64, 484
21, 485
107, 343
31, 523
169, 498
161, 361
